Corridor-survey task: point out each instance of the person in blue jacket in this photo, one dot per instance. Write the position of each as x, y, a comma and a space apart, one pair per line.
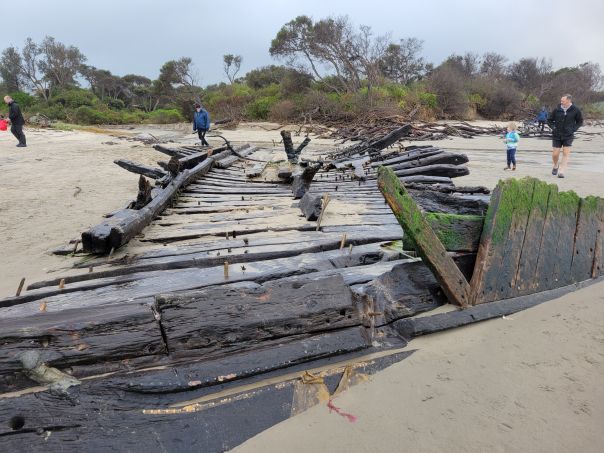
201, 123
511, 141
542, 118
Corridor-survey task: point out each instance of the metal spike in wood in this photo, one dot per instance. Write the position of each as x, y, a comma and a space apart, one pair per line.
226, 269
431, 250
62, 283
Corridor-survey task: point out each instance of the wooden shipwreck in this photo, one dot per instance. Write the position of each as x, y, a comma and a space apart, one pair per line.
234, 269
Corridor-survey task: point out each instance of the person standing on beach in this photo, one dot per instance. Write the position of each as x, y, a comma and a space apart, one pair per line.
511, 141
564, 121
542, 118
16, 121
201, 123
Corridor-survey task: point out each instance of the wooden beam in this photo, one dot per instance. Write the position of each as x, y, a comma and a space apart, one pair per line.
140, 169
432, 251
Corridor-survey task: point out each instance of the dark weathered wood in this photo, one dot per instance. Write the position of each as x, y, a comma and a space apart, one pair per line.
301, 146
174, 152
529, 254
127, 223
429, 246
440, 158
256, 170
301, 180
534, 239
413, 327
144, 194
99, 418
407, 156
310, 204
442, 170
434, 201
288, 144
70, 337
141, 169
585, 239
192, 160
215, 318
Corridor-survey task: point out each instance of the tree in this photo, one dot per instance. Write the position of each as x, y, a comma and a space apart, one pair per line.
140, 92
402, 63
30, 69
448, 83
493, 65
10, 69
531, 75
59, 64
231, 65
102, 82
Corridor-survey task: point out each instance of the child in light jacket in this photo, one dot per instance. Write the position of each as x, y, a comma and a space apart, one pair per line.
511, 140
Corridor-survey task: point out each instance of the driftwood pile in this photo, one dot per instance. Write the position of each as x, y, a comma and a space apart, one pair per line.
373, 127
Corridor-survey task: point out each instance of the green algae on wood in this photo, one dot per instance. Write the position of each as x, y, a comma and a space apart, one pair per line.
429, 247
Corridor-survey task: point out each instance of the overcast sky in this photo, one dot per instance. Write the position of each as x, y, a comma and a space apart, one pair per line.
138, 36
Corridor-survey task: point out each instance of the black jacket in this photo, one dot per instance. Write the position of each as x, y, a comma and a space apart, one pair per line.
564, 125
14, 114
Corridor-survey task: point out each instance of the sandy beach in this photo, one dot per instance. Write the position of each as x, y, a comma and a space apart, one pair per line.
529, 382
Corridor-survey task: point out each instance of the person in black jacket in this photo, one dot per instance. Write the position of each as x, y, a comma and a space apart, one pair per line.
16, 121
564, 121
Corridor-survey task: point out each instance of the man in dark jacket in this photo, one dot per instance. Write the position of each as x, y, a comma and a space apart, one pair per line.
16, 121
201, 123
564, 121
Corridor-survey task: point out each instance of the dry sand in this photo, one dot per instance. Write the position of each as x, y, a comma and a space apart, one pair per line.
528, 383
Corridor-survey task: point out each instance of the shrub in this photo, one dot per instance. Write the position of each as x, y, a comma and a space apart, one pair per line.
74, 98
24, 100
164, 116
88, 115
116, 104
261, 107
283, 111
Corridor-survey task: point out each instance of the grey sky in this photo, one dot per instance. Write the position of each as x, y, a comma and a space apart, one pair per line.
137, 36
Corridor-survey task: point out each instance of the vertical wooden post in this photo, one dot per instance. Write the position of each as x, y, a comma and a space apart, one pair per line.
20, 287
226, 270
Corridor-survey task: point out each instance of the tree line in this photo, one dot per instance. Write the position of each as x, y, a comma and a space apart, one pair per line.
330, 69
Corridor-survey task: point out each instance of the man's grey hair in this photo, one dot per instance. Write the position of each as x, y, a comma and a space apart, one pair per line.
568, 96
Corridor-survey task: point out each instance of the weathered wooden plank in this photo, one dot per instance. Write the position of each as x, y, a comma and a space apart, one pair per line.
127, 223
441, 170
585, 239
457, 233
423, 325
214, 318
567, 227
141, 169
529, 254
429, 246
128, 288
408, 156
515, 209
440, 158
71, 337
278, 355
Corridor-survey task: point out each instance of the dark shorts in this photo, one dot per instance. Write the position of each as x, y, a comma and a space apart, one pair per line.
560, 142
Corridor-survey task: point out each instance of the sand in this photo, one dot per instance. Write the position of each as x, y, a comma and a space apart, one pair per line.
531, 382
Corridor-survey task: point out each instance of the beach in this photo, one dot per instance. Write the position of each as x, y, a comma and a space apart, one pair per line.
527, 382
